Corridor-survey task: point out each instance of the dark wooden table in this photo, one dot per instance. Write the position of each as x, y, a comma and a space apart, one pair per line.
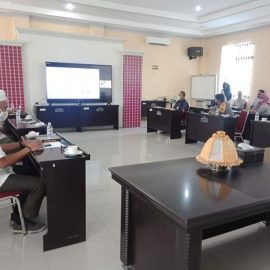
65, 191
169, 207
251, 117
166, 120
198, 110
22, 128
200, 127
260, 134
146, 104
12, 115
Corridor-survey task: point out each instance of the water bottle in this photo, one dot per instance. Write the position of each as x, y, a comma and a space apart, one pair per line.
257, 116
18, 115
217, 111
49, 129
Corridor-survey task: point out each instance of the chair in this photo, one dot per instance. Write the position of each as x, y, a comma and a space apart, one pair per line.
240, 125
12, 199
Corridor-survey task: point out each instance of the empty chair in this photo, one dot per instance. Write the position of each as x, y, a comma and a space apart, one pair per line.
9, 199
240, 125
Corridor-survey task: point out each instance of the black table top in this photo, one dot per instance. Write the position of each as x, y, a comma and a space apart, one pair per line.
52, 154
24, 124
190, 193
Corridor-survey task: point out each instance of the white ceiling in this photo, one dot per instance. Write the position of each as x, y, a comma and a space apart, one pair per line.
161, 17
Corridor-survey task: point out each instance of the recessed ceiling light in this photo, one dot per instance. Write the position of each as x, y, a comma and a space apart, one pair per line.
69, 6
198, 8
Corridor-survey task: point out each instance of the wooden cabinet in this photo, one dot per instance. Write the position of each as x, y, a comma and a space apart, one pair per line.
78, 116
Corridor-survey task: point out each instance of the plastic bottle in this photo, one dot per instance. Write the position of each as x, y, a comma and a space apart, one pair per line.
49, 129
18, 115
217, 111
257, 116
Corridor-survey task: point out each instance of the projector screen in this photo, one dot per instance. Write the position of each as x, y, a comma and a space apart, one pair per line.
68, 82
72, 83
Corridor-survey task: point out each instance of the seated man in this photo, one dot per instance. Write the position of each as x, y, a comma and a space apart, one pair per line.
181, 104
223, 107
239, 102
261, 103
32, 186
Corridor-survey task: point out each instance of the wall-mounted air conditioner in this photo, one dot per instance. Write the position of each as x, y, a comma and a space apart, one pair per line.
158, 41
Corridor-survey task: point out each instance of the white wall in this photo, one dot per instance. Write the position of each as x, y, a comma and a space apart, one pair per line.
42, 46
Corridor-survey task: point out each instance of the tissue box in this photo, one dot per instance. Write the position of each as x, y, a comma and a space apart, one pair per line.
251, 157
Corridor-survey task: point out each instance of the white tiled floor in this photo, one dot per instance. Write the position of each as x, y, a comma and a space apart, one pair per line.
245, 249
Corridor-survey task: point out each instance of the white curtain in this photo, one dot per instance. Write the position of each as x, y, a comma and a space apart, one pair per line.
237, 67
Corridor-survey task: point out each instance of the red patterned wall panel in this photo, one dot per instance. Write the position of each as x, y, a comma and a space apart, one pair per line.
132, 89
11, 74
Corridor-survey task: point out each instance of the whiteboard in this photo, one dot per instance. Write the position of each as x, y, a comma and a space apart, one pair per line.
203, 87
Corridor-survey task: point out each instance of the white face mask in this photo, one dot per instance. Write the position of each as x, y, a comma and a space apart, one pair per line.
3, 116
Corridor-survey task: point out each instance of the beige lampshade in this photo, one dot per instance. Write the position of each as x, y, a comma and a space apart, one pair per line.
219, 150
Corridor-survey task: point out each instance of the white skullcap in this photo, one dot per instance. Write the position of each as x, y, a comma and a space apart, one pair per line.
3, 95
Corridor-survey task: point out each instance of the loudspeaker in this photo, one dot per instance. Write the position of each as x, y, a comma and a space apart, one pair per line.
193, 52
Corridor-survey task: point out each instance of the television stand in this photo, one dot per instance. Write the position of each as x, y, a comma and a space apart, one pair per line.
78, 116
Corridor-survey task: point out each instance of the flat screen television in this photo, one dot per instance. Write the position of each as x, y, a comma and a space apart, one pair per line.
78, 83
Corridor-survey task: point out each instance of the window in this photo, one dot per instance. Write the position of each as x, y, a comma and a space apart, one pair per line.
237, 66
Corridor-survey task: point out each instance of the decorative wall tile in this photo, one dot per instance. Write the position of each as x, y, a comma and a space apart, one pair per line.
11, 74
132, 89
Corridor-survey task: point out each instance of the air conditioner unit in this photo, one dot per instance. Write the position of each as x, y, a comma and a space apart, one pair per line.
158, 41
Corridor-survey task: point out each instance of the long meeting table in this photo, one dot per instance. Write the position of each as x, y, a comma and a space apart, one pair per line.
260, 133
166, 120
200, 127
169, 207
64, 177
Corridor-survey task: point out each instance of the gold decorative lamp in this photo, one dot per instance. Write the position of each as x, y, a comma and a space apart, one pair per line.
219, 152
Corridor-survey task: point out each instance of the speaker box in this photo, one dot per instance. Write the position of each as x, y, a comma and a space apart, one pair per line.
193, 52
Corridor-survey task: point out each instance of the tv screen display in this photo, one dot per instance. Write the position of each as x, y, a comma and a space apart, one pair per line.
69, 82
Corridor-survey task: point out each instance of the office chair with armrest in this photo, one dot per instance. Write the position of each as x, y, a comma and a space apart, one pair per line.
240, 125
11, 198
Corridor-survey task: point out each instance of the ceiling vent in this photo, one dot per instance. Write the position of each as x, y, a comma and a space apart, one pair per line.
158, 41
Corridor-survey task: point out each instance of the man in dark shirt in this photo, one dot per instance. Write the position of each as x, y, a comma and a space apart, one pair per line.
181, 104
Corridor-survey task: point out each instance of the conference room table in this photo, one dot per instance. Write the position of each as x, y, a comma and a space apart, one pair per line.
247, 130
64, 177
200, 127
18, 129
165, 119
146, 104
260, 133
169, 207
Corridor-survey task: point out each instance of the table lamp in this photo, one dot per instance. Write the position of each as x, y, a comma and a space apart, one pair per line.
219, 152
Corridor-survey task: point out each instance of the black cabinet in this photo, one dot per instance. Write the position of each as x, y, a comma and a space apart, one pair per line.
99, 115
146, 104
78, 116
59, 116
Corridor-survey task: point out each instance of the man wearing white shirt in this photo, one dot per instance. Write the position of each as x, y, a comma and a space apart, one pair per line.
14, 178
239, 102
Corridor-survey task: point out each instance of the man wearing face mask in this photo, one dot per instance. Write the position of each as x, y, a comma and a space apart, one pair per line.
3, 116
181, 104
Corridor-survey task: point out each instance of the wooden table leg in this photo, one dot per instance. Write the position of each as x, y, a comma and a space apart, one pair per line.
126, 230
188, 250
